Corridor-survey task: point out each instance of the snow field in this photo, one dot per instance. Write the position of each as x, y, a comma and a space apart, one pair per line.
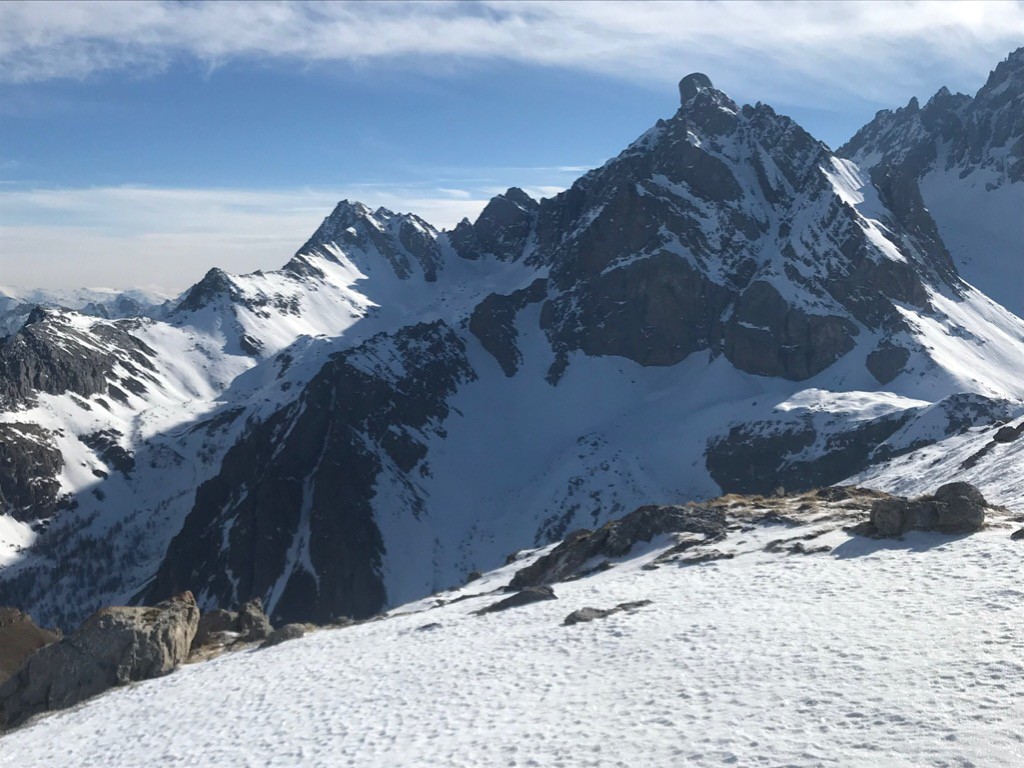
898, 653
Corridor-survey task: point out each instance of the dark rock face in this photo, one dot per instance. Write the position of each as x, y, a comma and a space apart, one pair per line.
694, 238
616, 538
953, 508
113, 647
29, 466
501, 230
768, 337
886, 362
759, 457
522, 597
19, 639
49, 355
305, 479
1008, 434
493, 322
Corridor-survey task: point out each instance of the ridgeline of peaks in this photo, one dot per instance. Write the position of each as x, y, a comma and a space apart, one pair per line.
724, 306
959, 161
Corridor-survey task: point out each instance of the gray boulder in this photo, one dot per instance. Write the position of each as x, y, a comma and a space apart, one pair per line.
953, 508
253, 623
286, 633
584, 615
115, 646
522, 597
212, 625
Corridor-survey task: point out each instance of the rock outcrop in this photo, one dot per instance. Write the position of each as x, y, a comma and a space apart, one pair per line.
953, 508
616, 538
524, 596
585, 615
19, 639
115, 646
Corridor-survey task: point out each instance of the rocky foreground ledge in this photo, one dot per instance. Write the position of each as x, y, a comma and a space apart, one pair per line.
120, 645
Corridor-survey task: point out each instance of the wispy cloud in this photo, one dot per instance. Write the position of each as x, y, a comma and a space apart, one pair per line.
776, 50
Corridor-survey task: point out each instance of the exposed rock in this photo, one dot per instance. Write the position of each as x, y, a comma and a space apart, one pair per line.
214, 622
286, 633
584, 615
493, 322
360, 422
51, 355
429, 627
1017, 535
616, 538
501, 230
113, 647
953, 508
30, 464
253, 623
1008, 434
522, 597
19, 639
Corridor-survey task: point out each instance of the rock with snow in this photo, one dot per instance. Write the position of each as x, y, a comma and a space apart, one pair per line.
584, 615
524, 596
113, 647
616, 538
954, 508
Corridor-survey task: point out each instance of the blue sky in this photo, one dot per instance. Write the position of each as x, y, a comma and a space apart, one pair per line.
141, 144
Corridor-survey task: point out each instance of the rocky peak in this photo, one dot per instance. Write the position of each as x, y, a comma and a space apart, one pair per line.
404, 241
501, 230
215, 283
691, 85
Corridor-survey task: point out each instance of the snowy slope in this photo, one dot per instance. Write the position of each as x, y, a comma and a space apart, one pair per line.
877, 653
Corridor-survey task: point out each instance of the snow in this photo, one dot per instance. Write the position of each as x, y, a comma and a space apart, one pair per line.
894, 653
981, 225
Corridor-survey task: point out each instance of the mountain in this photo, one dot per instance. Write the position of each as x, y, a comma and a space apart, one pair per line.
725, 306
955, 168
16, 304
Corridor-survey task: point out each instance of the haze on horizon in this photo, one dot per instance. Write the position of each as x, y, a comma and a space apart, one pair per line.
143, 143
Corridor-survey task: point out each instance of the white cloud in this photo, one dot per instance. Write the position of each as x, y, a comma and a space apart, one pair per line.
129, 236
801, 52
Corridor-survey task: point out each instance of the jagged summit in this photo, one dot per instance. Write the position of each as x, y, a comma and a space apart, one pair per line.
693, 84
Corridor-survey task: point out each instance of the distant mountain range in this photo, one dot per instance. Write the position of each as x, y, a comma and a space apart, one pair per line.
727, 305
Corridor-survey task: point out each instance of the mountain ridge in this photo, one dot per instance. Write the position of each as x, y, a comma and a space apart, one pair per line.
725, 305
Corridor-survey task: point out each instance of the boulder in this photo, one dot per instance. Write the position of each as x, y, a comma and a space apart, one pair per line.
522, 597
253, 623
213, 625
953, 508
1008, 434
286, 633
19, 639
584, 615
114, 646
